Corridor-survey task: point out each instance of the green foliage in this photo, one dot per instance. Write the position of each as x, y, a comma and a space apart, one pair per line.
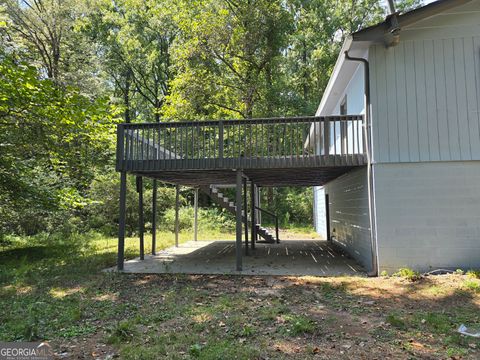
102, 211
473, 273
396, 321
123, 331
408, 274
472, 285
209, 219
292, 205
299, 324
52, 138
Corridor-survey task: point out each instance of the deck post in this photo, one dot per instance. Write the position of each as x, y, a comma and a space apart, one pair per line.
238, 248
195, 216
252, 213
244, 216
154, 217
141, 223
121, 221
177, 201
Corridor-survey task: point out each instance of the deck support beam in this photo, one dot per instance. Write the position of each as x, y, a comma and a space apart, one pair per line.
252, 213
245, 216
121, 221
177, 203
238, 202
154, 217
195, 215
141, 223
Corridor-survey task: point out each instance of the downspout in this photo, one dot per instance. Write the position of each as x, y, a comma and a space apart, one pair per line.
367, 133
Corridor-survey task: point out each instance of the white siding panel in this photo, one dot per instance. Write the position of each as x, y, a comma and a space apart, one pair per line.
451, 100
426, 100
374, 95
420, 110
472, 106
441, 99
462, 107
319, 212
433, 134
411, 102
401, 104
392, 115
381, 117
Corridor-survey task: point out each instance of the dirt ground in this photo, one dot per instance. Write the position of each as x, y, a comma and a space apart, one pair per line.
223, 317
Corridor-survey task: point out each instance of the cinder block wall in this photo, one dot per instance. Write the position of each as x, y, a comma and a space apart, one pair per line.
349, 219
428, 215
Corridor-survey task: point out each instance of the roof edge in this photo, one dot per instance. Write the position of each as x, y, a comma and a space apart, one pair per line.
376, 33
336, 71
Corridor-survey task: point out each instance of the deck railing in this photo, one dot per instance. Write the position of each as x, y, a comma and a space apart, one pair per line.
255, 143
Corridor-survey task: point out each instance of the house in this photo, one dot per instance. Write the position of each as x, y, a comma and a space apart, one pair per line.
416, 203
394, 150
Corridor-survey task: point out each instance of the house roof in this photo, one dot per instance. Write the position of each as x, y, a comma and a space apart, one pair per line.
357, 45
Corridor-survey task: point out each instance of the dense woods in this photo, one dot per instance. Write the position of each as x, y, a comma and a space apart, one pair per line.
71, 69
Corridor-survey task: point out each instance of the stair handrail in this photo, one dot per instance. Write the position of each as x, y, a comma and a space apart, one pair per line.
275, 216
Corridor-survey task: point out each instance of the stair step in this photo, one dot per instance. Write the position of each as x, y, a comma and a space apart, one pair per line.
215, 190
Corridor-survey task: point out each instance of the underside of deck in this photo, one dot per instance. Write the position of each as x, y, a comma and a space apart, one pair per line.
261, 177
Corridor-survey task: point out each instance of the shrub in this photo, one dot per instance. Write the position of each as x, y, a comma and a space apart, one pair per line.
408, 274
185, 219
474, 274
208, 219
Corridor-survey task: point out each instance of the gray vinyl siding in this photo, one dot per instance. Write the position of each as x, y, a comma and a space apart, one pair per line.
428, 215
349, 219
426, 91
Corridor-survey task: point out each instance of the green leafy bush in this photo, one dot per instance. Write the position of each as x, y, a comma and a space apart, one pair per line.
408, 274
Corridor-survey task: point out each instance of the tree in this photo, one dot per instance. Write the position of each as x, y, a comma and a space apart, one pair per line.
43, 32
225, 57
52, 139
136, 37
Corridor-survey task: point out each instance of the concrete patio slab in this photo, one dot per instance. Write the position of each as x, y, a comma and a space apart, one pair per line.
290, 257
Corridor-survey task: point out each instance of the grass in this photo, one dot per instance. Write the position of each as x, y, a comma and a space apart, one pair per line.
53, 289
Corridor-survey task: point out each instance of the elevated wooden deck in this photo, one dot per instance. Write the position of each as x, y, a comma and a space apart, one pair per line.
272, 152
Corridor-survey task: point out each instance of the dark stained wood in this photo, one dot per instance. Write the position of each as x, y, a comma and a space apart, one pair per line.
261, 177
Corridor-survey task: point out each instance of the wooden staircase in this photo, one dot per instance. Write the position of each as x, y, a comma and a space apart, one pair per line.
223, 201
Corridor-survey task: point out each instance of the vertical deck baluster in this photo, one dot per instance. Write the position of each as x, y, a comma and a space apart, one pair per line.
250, 152
194, 153
137, 149
126, 155
201, 130
345, 122
244, 143
335, 142
358, 135
267, 143
142, 145
220, 143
